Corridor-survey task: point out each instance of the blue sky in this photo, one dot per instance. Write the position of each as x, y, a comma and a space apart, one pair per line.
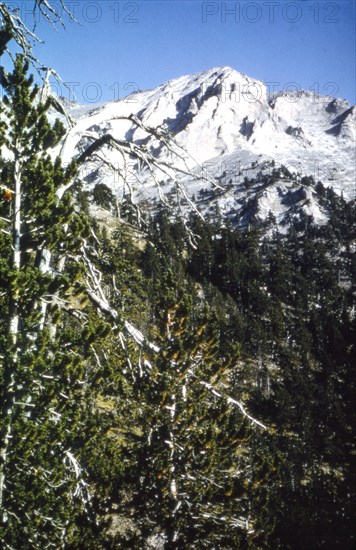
121, 46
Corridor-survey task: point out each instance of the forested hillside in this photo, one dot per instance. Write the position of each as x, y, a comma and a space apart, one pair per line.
168, 380
239, 319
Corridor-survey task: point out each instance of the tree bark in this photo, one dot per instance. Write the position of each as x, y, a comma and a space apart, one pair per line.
10, 363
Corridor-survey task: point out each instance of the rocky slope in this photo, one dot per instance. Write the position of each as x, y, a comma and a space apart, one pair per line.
237, 140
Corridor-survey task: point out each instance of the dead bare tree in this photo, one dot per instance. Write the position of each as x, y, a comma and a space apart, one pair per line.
14, 27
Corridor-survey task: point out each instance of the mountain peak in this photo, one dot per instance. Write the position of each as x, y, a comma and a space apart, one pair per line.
226, 123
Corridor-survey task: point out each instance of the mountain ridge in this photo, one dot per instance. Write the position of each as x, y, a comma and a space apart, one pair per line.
228, 123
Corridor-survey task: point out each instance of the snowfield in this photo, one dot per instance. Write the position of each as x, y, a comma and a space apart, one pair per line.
230, 129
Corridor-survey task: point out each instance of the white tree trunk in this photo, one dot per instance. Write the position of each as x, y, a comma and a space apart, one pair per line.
10, 365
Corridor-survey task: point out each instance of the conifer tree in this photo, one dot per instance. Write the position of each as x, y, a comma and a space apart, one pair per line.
190, 469
43, 347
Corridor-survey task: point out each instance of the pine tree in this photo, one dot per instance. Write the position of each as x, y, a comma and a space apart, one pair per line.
43, 344
190, 469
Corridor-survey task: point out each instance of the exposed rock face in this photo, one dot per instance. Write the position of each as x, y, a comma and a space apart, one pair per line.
230, 125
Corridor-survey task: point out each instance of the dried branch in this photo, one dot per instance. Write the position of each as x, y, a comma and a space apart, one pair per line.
146, 159
51, 13
13, 27
95, 292
231, 401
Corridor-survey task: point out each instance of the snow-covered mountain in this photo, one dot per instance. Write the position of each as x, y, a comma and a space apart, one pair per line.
237, 140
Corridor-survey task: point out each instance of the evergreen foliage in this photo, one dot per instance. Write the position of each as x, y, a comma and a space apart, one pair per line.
266, 322
43, 361
233, 430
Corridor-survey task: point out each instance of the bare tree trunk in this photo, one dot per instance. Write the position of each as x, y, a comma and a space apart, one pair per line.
10, 363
